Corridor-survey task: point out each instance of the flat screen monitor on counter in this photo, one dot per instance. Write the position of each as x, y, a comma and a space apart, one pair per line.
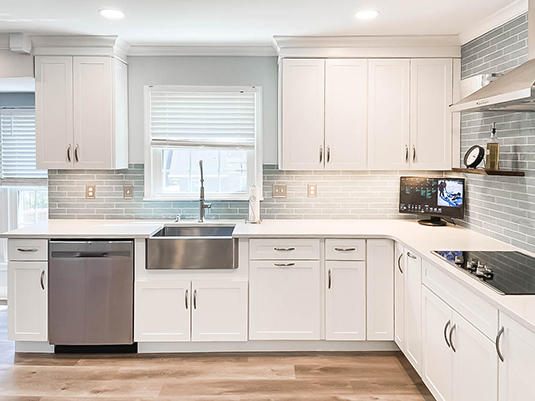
439, 198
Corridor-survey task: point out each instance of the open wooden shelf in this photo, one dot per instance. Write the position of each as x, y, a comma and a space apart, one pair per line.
481, 171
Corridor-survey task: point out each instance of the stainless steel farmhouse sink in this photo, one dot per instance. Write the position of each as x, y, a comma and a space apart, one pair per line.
192, 248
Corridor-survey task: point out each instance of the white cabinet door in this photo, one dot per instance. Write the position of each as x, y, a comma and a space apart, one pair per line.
345, 300
93, 115
437, 321
162, 311
219, 311
473, 353
431, 120
284, 300
303, 101
346, 113
28, 301
399, 296
54, 112
516, 371
413, 309
380, 289
388, 114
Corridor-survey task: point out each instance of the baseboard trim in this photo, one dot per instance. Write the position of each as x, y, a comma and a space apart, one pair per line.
267, 346
34, 346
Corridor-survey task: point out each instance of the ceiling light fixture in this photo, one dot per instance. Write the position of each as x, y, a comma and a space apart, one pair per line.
368, 14
111, 14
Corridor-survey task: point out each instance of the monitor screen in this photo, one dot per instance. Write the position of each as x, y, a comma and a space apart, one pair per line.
432, 196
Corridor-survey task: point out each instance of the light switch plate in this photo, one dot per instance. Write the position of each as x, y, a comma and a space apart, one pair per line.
279, 190
90, 191
312, 190
128, 191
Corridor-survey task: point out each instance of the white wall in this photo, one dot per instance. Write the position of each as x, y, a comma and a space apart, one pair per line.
231, 71
15, 65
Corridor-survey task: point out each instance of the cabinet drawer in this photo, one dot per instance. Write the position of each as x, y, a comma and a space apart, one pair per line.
284, 249
345, 249
474, 309
27, 249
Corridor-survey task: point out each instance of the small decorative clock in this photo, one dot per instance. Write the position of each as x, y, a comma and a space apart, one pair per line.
474, 156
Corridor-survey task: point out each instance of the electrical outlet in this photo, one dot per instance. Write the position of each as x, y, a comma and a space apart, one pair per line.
279, 190
312, 190
90, 191
128, 191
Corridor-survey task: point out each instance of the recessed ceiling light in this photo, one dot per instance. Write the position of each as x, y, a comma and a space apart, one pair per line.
368, 14
111, 14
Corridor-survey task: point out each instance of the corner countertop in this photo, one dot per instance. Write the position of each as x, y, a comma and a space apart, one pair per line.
421, 239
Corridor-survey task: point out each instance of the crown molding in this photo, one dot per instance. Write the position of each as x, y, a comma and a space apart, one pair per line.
497, 19
367, 46
112, 46
158, 51
20, 43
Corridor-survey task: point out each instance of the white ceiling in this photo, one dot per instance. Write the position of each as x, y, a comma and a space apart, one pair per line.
241, 22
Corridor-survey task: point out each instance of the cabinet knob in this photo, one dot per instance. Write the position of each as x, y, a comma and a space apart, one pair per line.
345, 249
76, 153
42, 279
406, 154
413, 153
328, 154
284, 264
69, 153
410, 255
330, 279
195, 299
446, 333
498, 348
186, 298
321, 153
399, 263
451, 338
284, 249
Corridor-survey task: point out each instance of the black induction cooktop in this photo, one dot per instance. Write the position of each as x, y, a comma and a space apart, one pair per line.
508, 273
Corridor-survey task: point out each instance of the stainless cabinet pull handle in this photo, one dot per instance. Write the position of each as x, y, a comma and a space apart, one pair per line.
321, 153
27, 249
76, 153
195, 299
451, 339
345, 249
498, 349
410, 255
445, 333
406, 154
330, 279
328, 154
43, 279
186, 298
399, 263
69, 153
413, 153
284, 249
284, 264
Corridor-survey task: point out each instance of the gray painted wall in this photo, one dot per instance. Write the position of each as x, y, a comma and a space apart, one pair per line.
501, 207
202, 71
14, 100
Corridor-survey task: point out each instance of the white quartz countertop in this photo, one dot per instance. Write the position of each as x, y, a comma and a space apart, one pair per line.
421, 239
101, 228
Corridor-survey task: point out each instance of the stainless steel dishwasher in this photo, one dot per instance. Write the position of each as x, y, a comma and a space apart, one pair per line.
91, 292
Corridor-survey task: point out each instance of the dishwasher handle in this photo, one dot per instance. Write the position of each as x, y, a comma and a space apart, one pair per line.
89, 254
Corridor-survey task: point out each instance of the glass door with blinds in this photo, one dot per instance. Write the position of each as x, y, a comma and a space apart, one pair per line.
17, 145
220, 126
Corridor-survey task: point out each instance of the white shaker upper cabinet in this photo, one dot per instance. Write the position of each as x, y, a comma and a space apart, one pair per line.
53, 112
388, 114
346, 113
431, 120
303, 112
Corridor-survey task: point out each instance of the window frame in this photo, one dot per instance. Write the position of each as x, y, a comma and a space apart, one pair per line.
153, 188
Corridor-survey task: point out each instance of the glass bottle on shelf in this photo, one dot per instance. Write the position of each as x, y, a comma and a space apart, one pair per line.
493, 151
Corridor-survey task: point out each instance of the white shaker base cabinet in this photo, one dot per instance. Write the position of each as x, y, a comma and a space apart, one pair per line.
380, 288
438, 358
28, 301
413, 309
284, 301
162, 311
399, 296
517, 370
345, 300
474, 352
219, 311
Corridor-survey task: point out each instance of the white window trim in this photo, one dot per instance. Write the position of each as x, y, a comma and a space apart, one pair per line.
152, 163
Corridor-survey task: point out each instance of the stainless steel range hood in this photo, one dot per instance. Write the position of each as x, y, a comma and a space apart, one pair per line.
514, 91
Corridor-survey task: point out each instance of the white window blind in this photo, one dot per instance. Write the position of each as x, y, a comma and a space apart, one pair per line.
187, 117
17, 145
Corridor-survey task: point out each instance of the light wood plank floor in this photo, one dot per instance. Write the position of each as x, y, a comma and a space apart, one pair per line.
255, 377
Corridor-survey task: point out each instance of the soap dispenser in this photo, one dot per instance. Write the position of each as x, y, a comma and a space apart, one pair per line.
493, 151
